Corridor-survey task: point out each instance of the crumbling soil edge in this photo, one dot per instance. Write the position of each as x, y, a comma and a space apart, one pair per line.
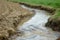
40, 7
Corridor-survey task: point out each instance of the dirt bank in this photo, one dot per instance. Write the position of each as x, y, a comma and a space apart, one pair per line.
41, 7
54, 24
54, 21
11, 15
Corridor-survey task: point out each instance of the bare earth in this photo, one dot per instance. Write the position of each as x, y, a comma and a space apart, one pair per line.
11, 15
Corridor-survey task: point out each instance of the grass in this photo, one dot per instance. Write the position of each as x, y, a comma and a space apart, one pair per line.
57, 14
51, 3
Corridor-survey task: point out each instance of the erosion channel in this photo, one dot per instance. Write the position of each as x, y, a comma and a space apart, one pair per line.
35, 29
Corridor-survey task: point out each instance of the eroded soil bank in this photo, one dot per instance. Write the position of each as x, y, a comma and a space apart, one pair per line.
40, 7
11, 15
35, 29
54, 20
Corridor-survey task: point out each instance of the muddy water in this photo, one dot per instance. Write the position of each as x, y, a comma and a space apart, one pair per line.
35, 29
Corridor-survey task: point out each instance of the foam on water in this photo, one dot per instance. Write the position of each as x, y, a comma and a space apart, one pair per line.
35, 29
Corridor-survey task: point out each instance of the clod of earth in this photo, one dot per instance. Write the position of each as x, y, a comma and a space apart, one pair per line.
11, 15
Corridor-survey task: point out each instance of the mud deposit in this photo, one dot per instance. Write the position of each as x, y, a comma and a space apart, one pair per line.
35, 29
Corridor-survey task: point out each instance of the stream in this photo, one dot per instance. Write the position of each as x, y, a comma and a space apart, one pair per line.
35, 29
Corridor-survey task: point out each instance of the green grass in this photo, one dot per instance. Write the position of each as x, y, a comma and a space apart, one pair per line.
51, 3
57, 15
